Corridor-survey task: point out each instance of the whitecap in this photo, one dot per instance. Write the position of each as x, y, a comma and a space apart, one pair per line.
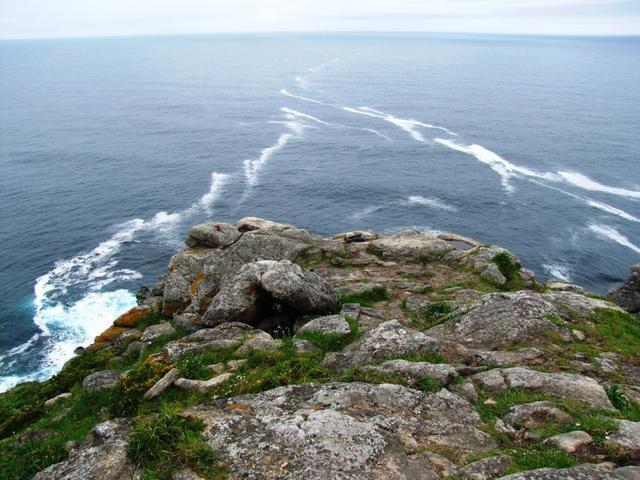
561, 272
610, 233
429, 202
582, 181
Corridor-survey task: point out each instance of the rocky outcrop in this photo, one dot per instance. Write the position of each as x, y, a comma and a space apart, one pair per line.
500, 320
627, 295
349, 431
101, 380
329, 324
409, 244
102, 455
562, 385
389, 340
265, 288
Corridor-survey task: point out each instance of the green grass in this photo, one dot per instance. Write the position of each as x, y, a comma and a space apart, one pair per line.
195, 365
540, 457
165, 442
615, 331
358, 374
433, 314
425, 356
366, 298
333, 342
24, 404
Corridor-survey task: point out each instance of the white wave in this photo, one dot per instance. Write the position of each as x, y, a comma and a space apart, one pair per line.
306, 99
67, 327
217, 183
295, 113
610, 233
409, 125
429, 202
560, 272
502, 167
613, 210
582, 181
252, 167
592, 203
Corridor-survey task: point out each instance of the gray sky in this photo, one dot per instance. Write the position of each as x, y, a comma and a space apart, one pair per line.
71, 18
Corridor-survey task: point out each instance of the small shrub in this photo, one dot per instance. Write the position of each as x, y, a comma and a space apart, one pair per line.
510, 269
127, 394
540, 457
162, 443
618, 398
366, 298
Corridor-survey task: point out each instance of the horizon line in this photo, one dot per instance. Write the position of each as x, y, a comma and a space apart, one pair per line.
325, 32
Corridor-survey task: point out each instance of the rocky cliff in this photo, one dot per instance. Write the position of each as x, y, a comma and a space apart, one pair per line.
269, 352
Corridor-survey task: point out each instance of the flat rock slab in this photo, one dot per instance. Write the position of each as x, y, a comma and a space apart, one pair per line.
416, 371
535, 415
409, 245
337, 430
223, 336
156, 331
501, 320
563, 385
388, 340
570, 442
330, 324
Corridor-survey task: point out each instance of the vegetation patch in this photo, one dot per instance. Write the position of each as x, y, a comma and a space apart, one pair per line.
359, 374
366, 298
615, 331
510, 269
163, 443
333, 342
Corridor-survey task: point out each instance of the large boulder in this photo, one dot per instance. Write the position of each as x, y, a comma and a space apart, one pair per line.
501, 320
390, 339
212, 235
577, 303
626, 439
102, 455
563, 385
409, 245
103, 380
337, 430
627, 295
264, 288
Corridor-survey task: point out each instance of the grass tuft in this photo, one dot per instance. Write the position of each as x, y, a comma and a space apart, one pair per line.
366, 298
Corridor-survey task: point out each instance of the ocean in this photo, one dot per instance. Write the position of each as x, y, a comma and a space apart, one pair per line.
111, 148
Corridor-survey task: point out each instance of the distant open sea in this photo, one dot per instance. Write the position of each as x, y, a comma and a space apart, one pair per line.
111, 148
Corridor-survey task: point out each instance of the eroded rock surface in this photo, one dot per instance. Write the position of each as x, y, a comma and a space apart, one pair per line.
390, 339
500, 320
350, 431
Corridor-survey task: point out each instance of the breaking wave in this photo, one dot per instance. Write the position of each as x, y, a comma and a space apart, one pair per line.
610, 233
560, 272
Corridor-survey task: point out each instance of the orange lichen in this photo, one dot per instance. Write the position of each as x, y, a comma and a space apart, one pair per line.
197, 280
110, 334
243, 407
132, 317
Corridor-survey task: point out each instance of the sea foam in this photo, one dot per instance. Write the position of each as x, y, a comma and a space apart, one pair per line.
610, 233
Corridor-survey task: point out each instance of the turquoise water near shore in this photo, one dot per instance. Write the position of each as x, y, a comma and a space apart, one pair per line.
111, 148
